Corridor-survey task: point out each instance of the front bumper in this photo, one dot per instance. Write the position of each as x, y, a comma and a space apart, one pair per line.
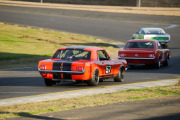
164, 41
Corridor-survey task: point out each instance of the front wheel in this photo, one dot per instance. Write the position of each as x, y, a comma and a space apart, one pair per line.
95, 79
120, 76
49, 82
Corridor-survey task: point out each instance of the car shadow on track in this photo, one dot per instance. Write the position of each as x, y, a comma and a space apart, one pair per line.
172, 68
28, 115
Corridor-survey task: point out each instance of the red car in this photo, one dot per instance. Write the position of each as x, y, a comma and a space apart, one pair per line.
90, 64
144, 52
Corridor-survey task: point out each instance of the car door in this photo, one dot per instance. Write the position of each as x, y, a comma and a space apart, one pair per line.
105, 64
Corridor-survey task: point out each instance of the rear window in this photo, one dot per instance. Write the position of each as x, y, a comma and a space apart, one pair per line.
72, 54
154, 31
147, 45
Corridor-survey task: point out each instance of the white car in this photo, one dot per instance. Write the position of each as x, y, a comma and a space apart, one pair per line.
153, 33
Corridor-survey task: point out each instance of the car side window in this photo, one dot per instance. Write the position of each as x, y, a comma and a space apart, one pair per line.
102, 55
138, 31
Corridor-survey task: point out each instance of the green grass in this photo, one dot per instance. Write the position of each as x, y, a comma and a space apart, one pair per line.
101, 99
21, 43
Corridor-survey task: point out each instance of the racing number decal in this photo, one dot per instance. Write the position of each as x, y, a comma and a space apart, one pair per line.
108, 69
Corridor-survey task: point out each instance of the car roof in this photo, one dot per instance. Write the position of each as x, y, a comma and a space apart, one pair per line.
142, 40
151, 28
83, 48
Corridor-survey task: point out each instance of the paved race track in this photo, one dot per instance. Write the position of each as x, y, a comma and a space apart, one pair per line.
120, 27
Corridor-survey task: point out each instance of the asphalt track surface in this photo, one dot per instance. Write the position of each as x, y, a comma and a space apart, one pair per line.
120, 27
163, 108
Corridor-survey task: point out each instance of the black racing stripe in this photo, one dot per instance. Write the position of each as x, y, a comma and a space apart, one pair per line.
57, 75
56, 66
67, 67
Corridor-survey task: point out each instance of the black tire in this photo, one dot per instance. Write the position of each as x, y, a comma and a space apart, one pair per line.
95, 79
120, 76
167, 61
49, 82
164, 46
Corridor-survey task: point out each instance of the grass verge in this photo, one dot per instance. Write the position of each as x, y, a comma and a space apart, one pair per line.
101, 99
25, 46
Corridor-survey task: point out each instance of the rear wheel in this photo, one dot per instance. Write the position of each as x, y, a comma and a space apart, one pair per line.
158, 65
167, 61
49, 82
95, 79
120, 76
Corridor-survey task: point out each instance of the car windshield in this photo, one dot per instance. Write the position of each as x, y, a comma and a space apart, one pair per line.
72, 54
146, 45
154, 31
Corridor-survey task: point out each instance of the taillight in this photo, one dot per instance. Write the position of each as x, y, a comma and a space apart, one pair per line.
151, 55
44, 74
121, 54
42, 67
79, 68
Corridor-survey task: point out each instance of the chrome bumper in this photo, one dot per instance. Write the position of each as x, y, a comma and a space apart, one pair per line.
135, 58
57, 71
164, 41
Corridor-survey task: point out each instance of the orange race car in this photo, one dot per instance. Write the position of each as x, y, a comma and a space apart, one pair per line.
90, 64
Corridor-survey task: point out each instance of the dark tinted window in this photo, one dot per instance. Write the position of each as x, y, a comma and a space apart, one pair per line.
148, 45
72, 54
141, 32
154, 31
